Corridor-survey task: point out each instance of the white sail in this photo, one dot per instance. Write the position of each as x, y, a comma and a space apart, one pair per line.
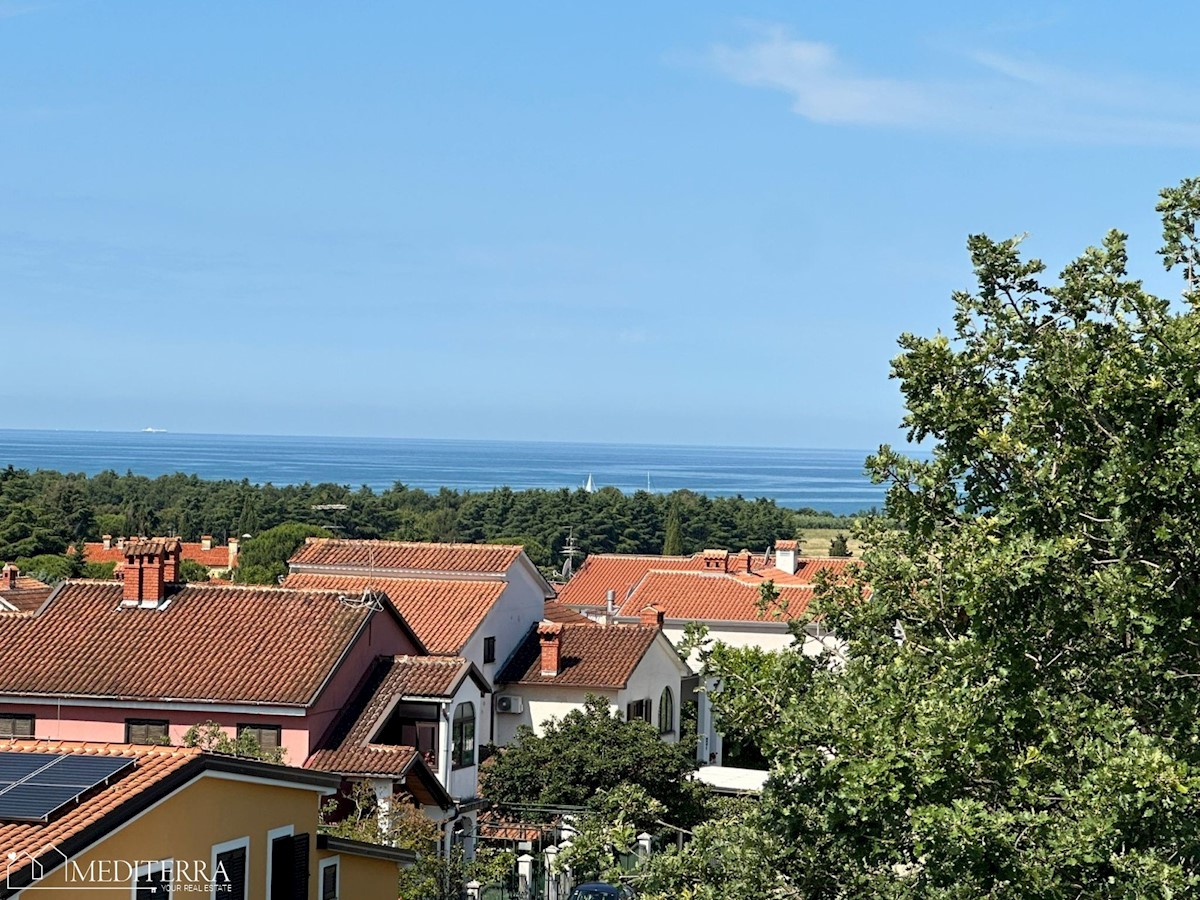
590, 486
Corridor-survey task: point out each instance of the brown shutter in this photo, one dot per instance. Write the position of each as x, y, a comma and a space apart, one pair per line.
300, 867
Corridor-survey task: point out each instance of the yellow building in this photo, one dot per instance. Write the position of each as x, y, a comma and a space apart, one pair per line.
142, 820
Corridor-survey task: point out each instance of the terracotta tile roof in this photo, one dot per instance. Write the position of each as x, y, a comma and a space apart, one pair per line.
621, 572
786, 545
348, 749
807, 569
214, 558
594, 656
444, 613
238, 644
479, 559
27, 596
708, 597
560, 612
153, 765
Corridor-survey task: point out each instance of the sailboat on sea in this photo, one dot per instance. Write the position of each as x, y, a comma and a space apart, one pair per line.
589, 485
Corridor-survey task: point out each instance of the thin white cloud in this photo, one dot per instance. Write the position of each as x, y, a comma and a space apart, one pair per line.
995, 95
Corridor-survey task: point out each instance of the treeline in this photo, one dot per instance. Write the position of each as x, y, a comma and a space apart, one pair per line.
44, 512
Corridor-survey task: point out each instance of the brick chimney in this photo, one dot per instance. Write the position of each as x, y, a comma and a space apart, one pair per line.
107, 539
206, 542
172, 554
8, 577
233, 552
143, 573
786, 556
716, 560
550, 633
652, 615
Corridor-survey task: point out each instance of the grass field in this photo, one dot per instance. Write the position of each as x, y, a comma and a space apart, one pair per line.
816, 541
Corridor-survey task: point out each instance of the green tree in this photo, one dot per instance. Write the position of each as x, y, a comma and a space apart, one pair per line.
192, 571
588, 752
212, 737
839, 545
1018, 713
673, 541
263, 558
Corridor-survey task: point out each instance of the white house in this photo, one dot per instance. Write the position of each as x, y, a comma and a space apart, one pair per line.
718, 589
560, 663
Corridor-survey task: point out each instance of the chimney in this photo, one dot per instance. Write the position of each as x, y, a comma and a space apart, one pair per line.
716, 560
172, 553
121, 543
549, 634
233, 552
786, 553
610, 607
107, 538
143, 574
206, 542
8, 577
749, 562
652, 615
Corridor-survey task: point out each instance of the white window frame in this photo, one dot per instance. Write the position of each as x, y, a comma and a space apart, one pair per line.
225, 847
337, 884
164, 865
281, 831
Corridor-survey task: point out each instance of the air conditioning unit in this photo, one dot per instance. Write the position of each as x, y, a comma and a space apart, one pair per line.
509, 703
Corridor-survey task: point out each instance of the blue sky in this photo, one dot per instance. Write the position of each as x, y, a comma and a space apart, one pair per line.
694, 222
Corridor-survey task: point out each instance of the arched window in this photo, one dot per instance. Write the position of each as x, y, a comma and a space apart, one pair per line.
666, 712
464, 735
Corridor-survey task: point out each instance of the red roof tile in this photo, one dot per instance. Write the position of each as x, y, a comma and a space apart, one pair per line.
444, 613
594, 656
405, 556
708, 597
214, 558
27, 596
621, 572
560, 612
238, 644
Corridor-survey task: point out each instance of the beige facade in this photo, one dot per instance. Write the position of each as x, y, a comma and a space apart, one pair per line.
216, 811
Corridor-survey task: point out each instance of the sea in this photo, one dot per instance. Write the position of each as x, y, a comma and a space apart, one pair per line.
828, 480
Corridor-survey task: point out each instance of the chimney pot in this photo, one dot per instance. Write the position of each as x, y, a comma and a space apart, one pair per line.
786, 553
550, 633
233, 552
145, 584
206, 542
107, 539
8, 576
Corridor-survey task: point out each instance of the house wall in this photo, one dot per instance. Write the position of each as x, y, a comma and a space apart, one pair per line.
463, 784
298, 732
518, 608
360, 876
540, 703
209, 811
659, 668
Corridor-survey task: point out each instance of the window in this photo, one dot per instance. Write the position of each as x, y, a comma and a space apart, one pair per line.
229, 875
638, 709
287, 864
152, 880
464, 735
267, 735
329, 879
147, 731
489, 649
666, 712
16, 725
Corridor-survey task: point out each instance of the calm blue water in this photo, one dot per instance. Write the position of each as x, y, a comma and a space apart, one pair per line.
824, 479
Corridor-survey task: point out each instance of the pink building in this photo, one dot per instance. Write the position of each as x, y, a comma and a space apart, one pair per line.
142, 660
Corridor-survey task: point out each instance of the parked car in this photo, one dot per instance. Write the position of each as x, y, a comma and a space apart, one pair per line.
596, 890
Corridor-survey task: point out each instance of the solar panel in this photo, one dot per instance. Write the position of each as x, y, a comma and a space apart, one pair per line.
15, 766
33, 789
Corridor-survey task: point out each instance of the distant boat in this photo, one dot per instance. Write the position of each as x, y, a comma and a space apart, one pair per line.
148, 430
589, 485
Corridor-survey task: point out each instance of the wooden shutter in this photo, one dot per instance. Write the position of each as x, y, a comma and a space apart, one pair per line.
329, 882
16, 726
233, 862
300, 867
